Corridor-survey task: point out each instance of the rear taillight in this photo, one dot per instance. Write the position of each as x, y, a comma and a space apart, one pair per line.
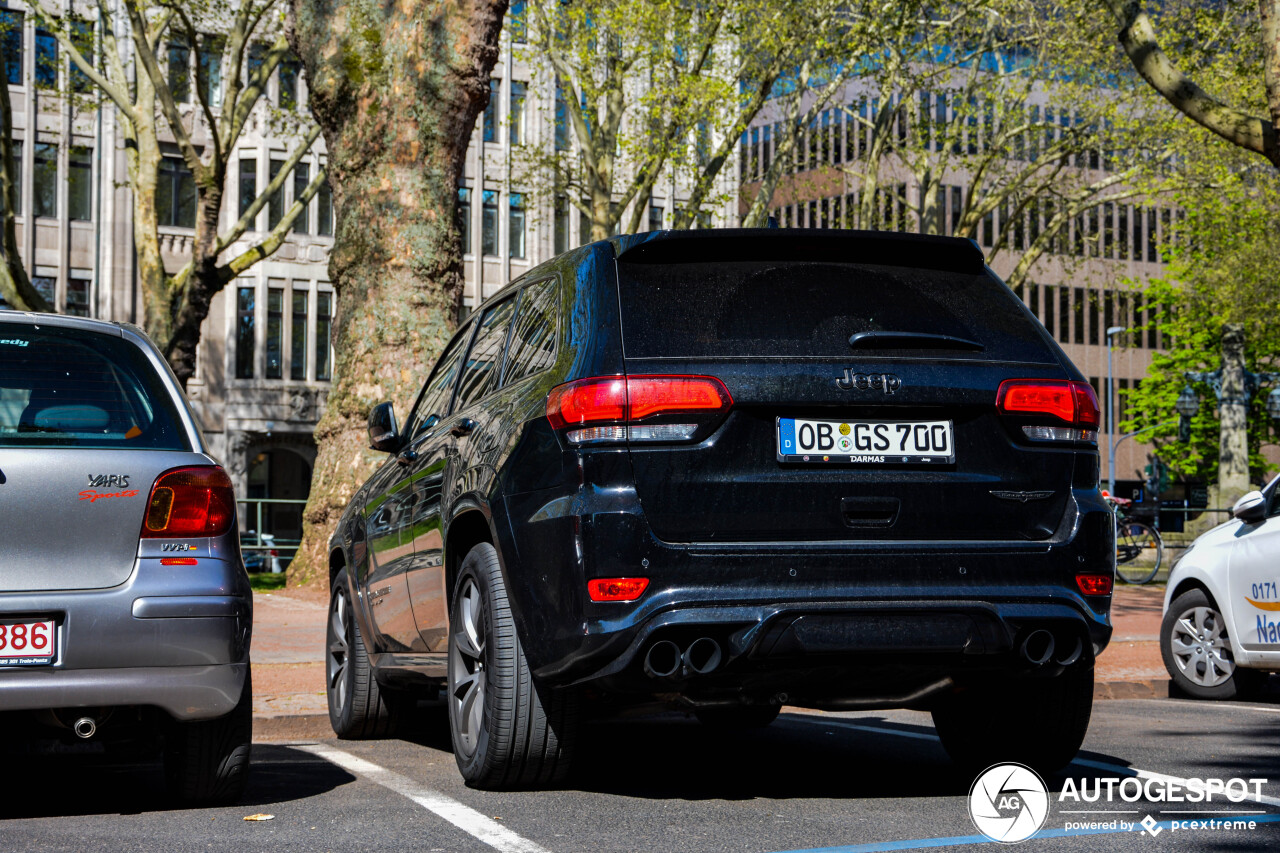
1056, 400
617, 589
1094, 584
636, 408
190, 502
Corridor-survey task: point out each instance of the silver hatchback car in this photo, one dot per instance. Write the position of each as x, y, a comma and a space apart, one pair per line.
125, 610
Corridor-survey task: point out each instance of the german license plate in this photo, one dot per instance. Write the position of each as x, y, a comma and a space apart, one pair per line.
28, 643
868, 442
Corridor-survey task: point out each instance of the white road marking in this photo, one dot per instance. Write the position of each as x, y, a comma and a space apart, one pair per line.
465, 818
1083, 762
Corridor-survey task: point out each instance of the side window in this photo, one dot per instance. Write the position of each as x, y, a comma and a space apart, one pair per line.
480, 376
533, 338
435, 396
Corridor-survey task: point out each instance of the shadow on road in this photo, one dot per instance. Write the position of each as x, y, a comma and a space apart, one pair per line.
66, 785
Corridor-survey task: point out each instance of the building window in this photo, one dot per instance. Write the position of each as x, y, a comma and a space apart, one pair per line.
298, 335
489, 223
1064, 314
1093, 317
11, 37
561, 236
275, 332
515, 116
655, 217
46, 286
562, 118
275, 204
1077, 311
45, 188
244, 332
289, 83
519, 26
491, 111
46, 60
248, 184
176, 194
78, 297
210, 80
464, 217
1048, 308
17, 175
324, 325
80, 184
180, 71
324, 210
82, 38
301, 178
515, 225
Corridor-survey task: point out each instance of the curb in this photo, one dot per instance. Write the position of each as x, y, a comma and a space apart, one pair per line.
1153, 689
292, 727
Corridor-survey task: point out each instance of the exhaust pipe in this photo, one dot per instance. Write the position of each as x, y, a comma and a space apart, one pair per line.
1068, 651
1037, 648
663, 660
702, 656
85, 728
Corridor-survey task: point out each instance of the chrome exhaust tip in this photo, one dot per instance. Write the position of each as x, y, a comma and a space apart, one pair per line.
662, 660
1069, 651
85, 727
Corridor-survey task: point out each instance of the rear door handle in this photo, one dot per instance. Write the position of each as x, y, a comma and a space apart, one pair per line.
466, 426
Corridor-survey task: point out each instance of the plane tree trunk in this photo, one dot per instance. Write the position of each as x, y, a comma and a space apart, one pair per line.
396, 88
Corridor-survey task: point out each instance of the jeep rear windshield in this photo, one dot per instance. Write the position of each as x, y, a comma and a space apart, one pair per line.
64, 387
800, 309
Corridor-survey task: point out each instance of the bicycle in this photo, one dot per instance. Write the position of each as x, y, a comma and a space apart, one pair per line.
1139, 548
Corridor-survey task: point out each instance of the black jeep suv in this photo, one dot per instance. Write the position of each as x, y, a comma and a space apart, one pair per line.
733, 470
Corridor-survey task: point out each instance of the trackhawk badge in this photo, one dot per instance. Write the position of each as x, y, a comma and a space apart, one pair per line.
1021, 497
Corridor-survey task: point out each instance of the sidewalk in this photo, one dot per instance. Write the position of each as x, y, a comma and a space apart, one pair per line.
289, 682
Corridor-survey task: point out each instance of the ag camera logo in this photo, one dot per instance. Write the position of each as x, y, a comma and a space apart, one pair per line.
1008, 803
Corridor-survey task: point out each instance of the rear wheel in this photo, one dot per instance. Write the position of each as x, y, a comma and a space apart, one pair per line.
507, 731
207, 761
1038, 722
1139, 551
740, 718
1196, 648
358, 707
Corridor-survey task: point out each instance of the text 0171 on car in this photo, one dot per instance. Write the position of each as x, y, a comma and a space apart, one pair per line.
125, 610
730, 471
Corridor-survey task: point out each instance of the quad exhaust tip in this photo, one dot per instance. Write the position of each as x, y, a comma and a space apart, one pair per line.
663, 660
85, 727
702, 656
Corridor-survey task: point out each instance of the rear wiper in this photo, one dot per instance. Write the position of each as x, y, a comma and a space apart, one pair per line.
911, 340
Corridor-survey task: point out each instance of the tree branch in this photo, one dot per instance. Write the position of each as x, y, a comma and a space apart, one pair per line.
246, 220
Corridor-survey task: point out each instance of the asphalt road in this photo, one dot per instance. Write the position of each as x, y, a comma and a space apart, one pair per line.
829, 782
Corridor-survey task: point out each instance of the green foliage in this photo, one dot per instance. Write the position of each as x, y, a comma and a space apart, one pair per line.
1221, 270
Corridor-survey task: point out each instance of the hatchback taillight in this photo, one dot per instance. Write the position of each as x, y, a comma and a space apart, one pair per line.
1053, 402
195, 501
636, 408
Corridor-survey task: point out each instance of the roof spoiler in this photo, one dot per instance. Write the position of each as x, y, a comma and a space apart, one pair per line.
885, 248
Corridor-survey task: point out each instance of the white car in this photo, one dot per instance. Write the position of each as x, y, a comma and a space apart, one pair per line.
1220, 636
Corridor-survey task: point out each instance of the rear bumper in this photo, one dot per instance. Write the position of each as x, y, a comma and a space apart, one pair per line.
842, 617
184, 692
175, 637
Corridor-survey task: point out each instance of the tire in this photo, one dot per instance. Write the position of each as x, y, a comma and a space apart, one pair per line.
1196, 648
1139, 552
1039, 722
738, 719
206, 762
358, 708
508, 732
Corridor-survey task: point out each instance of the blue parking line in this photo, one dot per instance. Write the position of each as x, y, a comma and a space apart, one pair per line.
961, 840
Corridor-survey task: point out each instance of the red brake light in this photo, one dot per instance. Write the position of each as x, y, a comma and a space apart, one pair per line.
1070, 402
617, 589
628, 399
1094, 584
194, 501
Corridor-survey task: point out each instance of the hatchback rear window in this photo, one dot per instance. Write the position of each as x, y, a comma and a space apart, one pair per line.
797, 309
73, 388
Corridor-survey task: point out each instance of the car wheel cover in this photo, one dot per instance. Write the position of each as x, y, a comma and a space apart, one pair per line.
1201, 647
467, 673
339, 657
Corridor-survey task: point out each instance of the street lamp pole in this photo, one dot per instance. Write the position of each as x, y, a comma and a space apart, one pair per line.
1111, 414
